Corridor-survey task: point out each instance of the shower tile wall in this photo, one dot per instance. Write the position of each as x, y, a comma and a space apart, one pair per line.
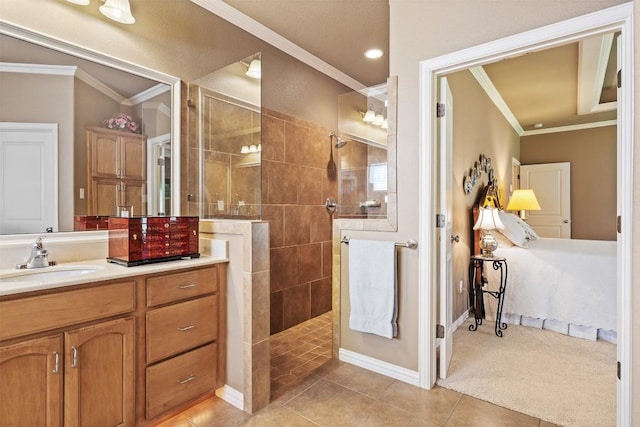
295, 185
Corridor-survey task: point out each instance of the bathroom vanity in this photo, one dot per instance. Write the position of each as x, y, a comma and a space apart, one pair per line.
111, 345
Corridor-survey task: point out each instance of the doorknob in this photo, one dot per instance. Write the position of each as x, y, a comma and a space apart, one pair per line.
566, 221
455, 238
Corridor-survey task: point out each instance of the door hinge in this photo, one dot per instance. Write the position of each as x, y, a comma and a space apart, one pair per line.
439, 331
619, 78
619, 224
619, 370
440, 109
440, 221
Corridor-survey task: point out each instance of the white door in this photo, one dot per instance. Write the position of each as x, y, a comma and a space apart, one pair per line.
445, 207
28, 177
551, 183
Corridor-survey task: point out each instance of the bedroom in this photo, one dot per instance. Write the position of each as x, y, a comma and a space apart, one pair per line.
480, 128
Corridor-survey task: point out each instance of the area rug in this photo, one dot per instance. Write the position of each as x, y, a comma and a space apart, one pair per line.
560, 379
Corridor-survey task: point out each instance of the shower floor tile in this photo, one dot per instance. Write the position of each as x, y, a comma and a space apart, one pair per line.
298, 352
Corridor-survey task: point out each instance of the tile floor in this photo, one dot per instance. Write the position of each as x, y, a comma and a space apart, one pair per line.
311, 389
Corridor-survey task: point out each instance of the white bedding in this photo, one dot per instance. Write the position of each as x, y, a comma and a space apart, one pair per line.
559, 282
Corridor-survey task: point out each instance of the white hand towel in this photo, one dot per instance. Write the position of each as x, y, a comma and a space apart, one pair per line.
372, 287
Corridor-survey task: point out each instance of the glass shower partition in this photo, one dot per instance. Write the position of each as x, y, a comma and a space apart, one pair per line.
225, 144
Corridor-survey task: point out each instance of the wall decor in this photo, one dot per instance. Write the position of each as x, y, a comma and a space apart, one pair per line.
479, 166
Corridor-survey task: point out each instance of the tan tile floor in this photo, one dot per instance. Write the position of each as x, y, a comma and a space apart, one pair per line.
311, 389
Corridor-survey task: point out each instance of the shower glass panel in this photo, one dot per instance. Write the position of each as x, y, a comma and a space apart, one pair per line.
225, 147
363, 162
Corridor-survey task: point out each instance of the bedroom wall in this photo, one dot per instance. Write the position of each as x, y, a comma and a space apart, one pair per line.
478, 128
592, 154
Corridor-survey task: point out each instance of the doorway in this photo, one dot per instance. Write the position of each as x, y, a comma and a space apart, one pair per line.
613, 19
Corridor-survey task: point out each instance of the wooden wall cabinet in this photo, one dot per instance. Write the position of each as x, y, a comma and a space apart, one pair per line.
116, 171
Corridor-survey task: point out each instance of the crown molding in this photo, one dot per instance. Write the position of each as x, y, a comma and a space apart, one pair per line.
147, 94
486, 84
571, 128
53, 70
593, 59
250, 25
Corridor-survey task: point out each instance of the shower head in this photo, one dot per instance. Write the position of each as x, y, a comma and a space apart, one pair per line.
339, 141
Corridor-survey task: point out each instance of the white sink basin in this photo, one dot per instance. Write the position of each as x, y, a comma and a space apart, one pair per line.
49, 273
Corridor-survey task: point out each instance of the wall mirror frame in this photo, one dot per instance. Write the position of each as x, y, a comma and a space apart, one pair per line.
390, 222
174, 83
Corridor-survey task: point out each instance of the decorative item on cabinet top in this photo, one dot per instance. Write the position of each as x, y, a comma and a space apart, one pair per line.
148, 239
483, 164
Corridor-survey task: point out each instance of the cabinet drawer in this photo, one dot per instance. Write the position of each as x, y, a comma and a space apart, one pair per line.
181, 379
44, 312
180, 327
178, 286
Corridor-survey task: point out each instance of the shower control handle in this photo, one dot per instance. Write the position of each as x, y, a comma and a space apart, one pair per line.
331, 205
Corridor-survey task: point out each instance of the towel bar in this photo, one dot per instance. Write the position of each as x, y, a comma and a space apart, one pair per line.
411, 244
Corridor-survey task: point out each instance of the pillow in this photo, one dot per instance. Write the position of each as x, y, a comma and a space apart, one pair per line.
513, 230
529, 231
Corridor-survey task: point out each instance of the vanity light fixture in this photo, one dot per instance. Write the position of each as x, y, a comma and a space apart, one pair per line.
118, 10
255, 69
244, 149
385, 124
370, 115
378, 120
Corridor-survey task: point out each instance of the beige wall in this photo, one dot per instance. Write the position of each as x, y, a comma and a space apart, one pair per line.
478, 128
592, 154
421, 30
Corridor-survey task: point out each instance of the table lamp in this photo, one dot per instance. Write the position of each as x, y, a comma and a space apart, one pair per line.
523, 200
488, 220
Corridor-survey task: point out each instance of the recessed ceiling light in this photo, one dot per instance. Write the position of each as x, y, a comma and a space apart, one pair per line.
374, 53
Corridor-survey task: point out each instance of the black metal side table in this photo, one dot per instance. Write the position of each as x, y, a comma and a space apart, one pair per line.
476, 293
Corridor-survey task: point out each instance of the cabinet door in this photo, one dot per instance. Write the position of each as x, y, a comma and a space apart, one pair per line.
133, 194
104, 197
133, 159
99, 375
31, 383
104, 155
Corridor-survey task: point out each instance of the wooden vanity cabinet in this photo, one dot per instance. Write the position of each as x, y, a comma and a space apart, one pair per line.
78, 375
185, 337
114, 353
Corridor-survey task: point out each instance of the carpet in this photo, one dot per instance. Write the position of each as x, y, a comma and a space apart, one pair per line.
560, 379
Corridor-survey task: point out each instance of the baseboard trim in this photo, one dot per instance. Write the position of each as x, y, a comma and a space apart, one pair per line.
232, 396
403, 374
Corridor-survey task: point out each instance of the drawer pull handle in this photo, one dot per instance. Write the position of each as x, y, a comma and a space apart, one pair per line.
56, 362
186, 328
186, 380
190, 285
74, 362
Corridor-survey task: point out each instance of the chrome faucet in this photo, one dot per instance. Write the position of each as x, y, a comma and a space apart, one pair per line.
38, 257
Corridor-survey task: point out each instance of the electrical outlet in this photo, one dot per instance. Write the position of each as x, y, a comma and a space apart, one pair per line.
461, 287
82, 193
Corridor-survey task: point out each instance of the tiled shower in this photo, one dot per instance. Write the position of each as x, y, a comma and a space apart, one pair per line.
295, 185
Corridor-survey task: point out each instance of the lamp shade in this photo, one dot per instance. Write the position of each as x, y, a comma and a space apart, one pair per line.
255, 69
488, 220
523, 200
118, 10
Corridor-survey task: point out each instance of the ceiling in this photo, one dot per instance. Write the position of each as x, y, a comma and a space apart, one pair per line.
556, 87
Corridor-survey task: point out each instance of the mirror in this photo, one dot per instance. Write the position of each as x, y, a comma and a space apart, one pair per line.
366, 119
225, 146
115, 137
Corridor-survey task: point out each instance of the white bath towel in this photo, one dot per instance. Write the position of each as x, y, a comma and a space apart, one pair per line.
372, 287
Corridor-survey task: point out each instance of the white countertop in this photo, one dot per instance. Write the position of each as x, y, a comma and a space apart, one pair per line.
104, 270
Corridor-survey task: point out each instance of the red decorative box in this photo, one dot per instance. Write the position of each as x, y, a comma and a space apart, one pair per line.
147, 239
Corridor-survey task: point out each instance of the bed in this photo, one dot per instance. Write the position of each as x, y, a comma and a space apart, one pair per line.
565, 285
